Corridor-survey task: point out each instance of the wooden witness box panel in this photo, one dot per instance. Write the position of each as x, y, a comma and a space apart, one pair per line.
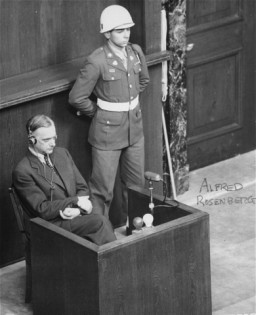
164, 270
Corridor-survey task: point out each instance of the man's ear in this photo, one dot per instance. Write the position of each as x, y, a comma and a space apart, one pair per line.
107, 35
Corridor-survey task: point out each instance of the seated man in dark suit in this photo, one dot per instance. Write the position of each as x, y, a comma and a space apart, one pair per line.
51, 187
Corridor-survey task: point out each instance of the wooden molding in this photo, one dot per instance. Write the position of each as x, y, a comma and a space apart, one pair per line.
51, 80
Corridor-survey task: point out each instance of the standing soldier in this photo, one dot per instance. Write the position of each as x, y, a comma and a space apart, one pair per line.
115, 73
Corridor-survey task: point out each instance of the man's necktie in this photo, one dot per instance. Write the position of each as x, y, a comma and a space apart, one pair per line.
54, 174
48, 162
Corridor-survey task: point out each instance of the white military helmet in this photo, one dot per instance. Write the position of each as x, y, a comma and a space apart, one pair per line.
115, 16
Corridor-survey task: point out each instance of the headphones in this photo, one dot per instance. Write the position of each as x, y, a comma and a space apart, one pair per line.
32, 140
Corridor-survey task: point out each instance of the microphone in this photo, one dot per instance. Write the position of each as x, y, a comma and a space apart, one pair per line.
152, 176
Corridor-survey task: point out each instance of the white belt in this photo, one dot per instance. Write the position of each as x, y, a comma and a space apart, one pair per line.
118, 107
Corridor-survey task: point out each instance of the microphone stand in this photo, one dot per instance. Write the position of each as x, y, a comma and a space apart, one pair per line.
151, 204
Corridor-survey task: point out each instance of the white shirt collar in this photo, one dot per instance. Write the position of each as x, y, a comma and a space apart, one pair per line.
118, 51
39, 155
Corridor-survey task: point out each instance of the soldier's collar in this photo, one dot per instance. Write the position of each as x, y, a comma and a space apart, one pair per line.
118, 52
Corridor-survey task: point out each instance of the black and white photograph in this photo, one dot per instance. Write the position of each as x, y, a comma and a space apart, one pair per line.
128, 157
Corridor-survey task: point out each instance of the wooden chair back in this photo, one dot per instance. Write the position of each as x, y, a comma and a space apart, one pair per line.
20, 217
19, 212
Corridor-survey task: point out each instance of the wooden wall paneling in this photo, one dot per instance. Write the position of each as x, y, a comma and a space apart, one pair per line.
82, 264
49, 32
202, 12
36, 34
219, 148
249, 81
73, 32
218, 75
80, 34
38, 83
27, 35
152, 26
148, 281
212, 84
9, 22
215, 43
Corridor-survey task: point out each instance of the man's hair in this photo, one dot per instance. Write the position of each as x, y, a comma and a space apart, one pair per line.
38, 121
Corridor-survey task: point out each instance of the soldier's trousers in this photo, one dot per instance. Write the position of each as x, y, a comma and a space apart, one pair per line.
105, 165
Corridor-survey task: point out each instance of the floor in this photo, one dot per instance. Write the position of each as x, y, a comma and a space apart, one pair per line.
227, 191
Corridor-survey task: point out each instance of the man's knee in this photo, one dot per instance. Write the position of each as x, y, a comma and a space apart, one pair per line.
104, 229
100, 220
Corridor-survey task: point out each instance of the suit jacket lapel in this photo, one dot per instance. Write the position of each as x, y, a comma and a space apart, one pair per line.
35, 163
59, 164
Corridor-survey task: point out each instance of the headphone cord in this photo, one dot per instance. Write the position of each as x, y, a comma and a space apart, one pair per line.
165, 196
52, 187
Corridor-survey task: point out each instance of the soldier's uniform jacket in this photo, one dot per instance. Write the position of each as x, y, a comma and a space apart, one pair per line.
105, 76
